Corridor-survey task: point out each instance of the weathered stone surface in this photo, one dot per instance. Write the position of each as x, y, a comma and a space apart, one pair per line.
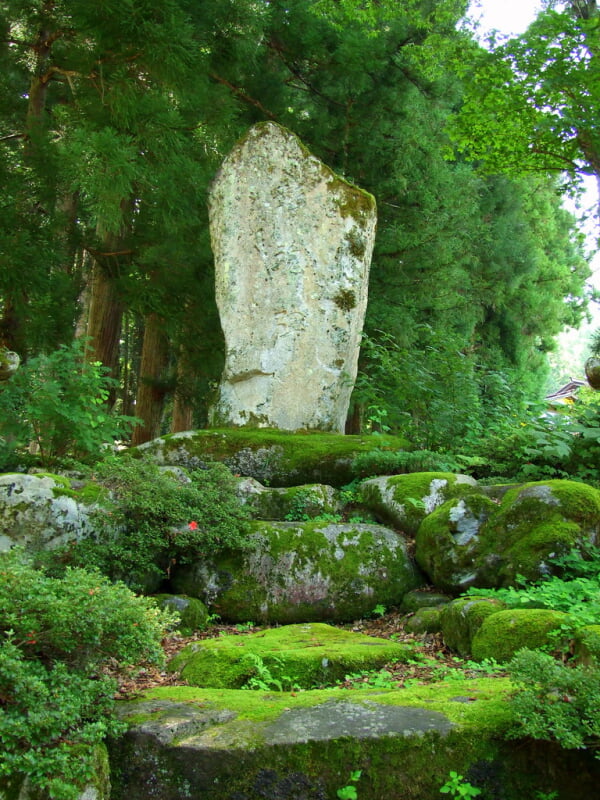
304, 572
292, 503
292, 245
482, 541
37, 511
304, 656
405, 500
219, 744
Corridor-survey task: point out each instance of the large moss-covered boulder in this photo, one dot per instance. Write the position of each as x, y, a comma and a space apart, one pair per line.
306, 656
405, 500
219, 744
484, 541
449, 546
304, 572
43, 511
502, 634
461, 619
276, 458
539, 520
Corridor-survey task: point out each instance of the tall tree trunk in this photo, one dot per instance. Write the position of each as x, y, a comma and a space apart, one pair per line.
151, 384
183, 412
104, 320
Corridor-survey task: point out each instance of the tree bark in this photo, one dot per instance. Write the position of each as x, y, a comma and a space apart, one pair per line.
151, 384
183, 412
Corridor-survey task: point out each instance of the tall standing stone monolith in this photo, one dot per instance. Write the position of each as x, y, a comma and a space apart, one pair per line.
292, 244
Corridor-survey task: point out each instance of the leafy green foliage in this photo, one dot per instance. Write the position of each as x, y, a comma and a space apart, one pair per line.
349, 792
265, 680
56, 636
457, 786
578, 597
156, 521
555, 702
531, 103
539, 446
58, 402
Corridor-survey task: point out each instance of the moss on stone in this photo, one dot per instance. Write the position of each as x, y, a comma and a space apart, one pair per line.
307, 655
227, 752
345, 299
294, 502
193, 614
423, 598
502, 634
277, 458
405, 500
461, 619
537, 521
448, 544
308, 571
424, 620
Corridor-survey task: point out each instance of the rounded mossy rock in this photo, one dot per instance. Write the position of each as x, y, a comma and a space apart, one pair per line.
502, 634
536, 522
193, 614
423, 598
448, 543
289, 503
405, 500
586, 645
461, 619
485, 541
304, 656
277, 458
424, 620
44, 511
304, 572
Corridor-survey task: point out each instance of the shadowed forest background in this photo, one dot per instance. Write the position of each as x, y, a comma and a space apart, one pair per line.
116, 116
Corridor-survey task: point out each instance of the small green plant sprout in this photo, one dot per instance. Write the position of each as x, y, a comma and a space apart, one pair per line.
264, 680
379, 610
457, 786
349, 792
242, 627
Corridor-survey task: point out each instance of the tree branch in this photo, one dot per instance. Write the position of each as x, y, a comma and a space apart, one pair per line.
243, 96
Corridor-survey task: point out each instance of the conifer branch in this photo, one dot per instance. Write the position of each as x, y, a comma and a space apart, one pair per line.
243, 96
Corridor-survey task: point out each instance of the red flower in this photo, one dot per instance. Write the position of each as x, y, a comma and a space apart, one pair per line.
193, 526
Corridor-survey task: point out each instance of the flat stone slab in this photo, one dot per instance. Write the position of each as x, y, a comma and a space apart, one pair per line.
216, 744
369, 721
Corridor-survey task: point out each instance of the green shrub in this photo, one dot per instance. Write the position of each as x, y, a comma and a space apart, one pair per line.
399, 462
561, 445
58, 402
577, 597
57, 635
155, 521
555, 702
